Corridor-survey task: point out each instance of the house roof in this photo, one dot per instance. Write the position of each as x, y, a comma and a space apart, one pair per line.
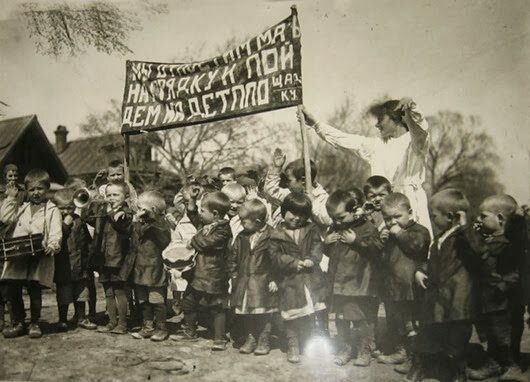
89, 155
13, 131
10, 131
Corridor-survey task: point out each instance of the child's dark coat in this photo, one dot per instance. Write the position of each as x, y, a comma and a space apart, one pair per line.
252, 271
286, 255
210, 274
111, 238
402, 255
353, 267
71, 263
143, 265
452, 293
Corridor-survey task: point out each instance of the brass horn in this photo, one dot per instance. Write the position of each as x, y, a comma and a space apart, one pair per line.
82, 197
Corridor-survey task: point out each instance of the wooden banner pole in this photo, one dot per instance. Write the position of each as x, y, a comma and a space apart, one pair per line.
305, 152
126, 157
303, 131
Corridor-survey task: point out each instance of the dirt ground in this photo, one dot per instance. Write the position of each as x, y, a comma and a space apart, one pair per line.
81, 355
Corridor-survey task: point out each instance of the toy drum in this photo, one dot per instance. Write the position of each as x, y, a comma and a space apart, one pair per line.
21, 247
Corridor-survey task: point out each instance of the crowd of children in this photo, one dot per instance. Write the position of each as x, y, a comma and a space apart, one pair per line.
259, 256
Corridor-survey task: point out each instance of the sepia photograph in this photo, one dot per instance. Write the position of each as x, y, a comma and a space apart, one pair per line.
265, 190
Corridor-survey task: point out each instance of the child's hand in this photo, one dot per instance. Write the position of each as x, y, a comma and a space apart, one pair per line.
332, 238
300, 266
384, 234
421, 278
171, 220
405, 103
348, 236
308, 263
49, 250
68, 220
273, 287
278, 159
11, 190
119, 215
252, 192
395, 229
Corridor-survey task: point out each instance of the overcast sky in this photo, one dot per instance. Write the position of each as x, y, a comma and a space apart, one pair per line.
467, 56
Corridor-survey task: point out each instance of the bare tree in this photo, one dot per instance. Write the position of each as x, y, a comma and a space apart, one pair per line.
198, 149
461, 155
62, 28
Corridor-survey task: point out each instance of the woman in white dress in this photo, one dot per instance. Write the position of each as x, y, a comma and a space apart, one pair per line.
399, 154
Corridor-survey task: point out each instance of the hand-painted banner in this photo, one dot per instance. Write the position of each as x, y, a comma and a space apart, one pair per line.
262, 74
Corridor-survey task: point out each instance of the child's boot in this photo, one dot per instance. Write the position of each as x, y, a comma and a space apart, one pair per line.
293, 350
409, 346
147, 331
16, 330
264, 346
249, 346
364, 352
513, 373
160, 333
396, 358
107, 328
189, 334
34, 330
490, 369
415, 373
343, 356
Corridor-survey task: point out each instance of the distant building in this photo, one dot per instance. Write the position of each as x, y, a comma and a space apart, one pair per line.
85, 157
24, 143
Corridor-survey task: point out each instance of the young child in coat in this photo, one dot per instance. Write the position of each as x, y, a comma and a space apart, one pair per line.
10, 174
116, 175
297, 250
278, 184
37, 216
226, 175
71, 263
451, 290
112, 224
500, 290
236, 193
254, 288
406, 247
144, 267
354, 250
208, 288
375, 189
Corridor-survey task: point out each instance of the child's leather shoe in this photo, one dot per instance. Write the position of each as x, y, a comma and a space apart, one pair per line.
160, 333
249, 346
107, 328
219, 345
86, 324
34, 331
62, 327
119, 329
264, 346
16, 330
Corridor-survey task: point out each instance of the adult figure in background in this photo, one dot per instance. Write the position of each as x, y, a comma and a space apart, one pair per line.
399, 154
